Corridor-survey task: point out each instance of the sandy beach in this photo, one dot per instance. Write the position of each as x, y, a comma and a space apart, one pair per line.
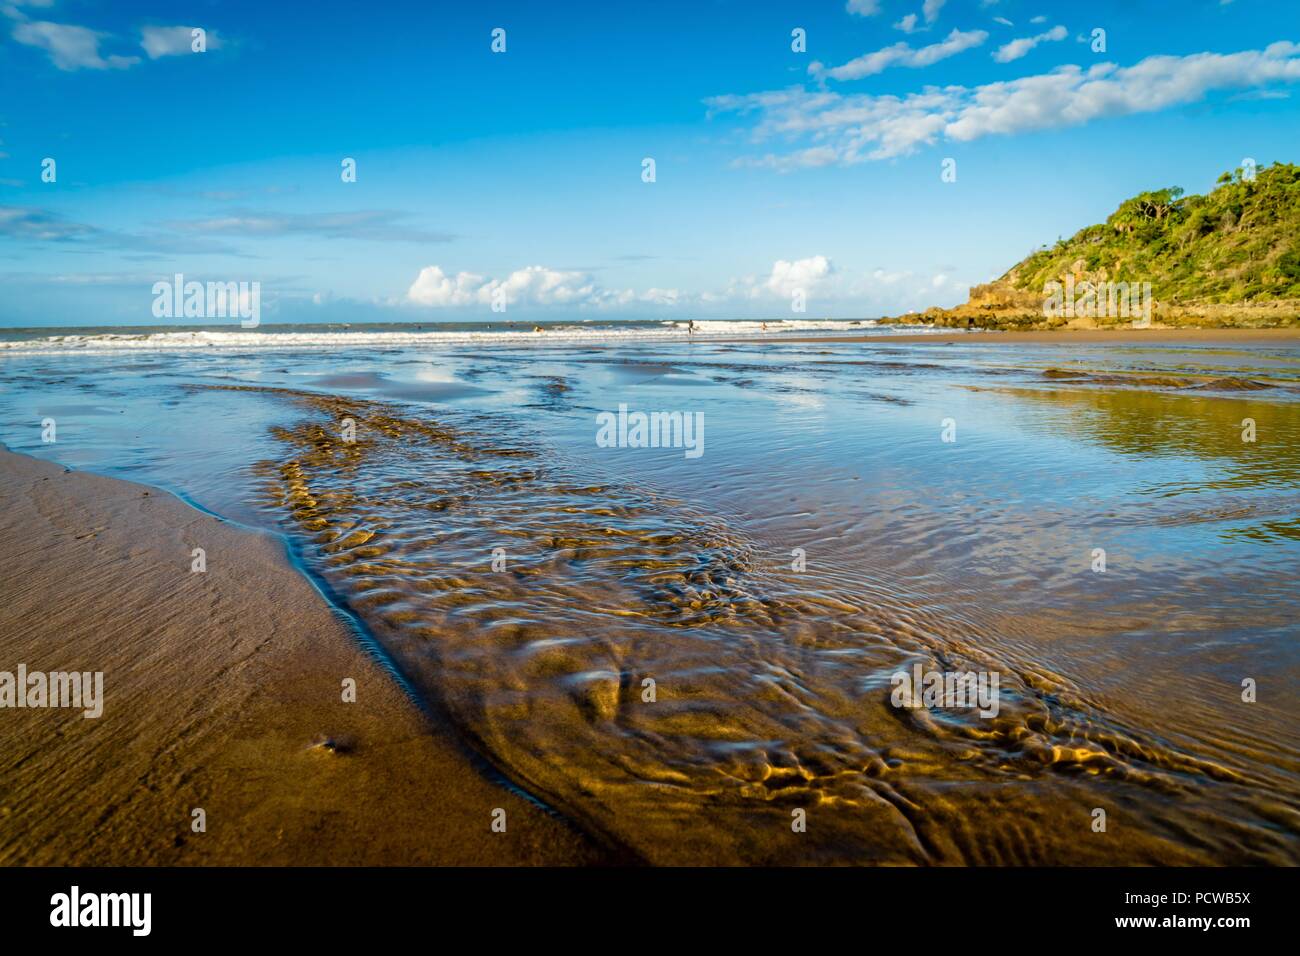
222, 691
677, 652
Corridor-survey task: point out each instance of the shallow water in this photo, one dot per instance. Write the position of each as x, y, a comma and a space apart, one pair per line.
1118, 690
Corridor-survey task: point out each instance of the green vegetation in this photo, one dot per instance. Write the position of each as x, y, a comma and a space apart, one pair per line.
1240, 243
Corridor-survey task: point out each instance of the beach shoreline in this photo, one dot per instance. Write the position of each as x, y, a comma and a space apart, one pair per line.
222, 692
620, 632
1126, 337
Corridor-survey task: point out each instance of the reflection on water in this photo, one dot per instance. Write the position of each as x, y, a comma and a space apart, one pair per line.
623, 633
1153, 423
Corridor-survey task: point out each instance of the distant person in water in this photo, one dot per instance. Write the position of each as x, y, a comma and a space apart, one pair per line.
690, 326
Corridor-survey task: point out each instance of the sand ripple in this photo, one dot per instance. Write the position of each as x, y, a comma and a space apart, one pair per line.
663, 678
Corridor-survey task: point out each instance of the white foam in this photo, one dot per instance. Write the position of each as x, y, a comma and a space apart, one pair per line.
246, 339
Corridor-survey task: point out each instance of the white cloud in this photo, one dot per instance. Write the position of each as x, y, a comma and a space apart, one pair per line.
542, 286
863, 8
902, 54
1004, 21
1018, 48
860, 292
786, 277
931, 9
888, 292
174, 41
533, 285
845, 129
69, 47
1038, 19
880, 291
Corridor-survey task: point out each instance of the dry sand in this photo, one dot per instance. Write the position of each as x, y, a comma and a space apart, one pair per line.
216, 687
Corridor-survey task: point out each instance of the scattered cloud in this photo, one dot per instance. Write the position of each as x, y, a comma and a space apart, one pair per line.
901, 54
863, 8
95, 278
532, 285
377, 225
664, 297
70, 47
1262, 95
13, 8
785, 278
163, 245
845, 129
29, 224
929, 10
1018, 48
174, 41
40, 225
543, 286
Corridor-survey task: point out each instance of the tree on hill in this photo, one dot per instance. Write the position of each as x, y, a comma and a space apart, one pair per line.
1238, 243
1149, 207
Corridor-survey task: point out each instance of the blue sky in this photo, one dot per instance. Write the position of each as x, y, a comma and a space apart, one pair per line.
775, 170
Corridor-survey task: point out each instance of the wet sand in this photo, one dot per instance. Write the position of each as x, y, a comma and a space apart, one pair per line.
1119, 691
544, 662
222, 691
